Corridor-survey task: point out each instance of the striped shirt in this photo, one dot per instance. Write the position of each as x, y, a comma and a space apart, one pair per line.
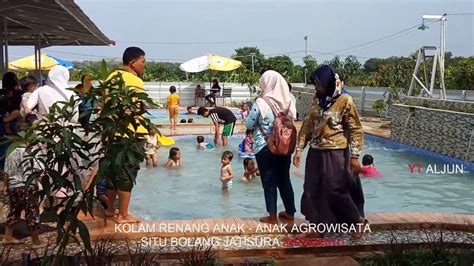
222, 115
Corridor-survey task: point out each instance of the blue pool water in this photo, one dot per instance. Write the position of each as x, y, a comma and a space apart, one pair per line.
194, 190
160, 116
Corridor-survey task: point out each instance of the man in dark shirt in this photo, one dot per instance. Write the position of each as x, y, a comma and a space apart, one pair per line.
214, 92
220, 115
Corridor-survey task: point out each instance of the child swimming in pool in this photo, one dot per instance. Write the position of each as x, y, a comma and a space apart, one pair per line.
368, 168
151, 146
226, 171
201, 145
174, 159
250, 170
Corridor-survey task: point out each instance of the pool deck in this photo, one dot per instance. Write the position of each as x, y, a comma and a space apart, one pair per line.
100, 228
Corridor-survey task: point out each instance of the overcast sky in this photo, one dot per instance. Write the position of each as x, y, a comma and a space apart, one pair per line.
179, 30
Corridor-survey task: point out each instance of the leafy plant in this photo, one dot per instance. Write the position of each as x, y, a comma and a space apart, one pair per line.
142, 255
196, 255
379, 107
58, 158
5, 254
103, 252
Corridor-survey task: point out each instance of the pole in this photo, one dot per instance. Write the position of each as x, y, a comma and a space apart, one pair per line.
5, 31
305, 55
253, 67
2, 65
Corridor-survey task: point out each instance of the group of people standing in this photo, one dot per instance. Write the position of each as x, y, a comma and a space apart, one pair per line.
331, 128
333, 132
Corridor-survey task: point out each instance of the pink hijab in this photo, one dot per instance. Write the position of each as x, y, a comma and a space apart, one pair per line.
275, 88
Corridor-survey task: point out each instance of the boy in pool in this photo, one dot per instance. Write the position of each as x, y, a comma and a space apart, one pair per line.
226, 171
201, 145
174, 159
250, 170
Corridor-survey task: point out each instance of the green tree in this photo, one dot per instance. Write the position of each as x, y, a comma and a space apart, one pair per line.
281, 64
460, 75
244, 54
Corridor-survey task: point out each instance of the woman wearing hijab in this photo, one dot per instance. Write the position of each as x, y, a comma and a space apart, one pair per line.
54, 91
274, 169
332, 190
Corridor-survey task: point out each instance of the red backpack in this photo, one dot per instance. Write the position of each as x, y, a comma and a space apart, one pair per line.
282, 139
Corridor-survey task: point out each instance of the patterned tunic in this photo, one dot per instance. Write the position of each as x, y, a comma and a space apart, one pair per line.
333, 129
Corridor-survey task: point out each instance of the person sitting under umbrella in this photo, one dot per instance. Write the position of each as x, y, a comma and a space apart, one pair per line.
215, 91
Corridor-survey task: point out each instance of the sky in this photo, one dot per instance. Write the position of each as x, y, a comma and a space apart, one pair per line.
178, 30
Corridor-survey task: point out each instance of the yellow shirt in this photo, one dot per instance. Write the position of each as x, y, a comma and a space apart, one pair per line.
173, 100
338, 127
136, 83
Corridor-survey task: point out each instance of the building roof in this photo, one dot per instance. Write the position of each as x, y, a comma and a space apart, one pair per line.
52, 22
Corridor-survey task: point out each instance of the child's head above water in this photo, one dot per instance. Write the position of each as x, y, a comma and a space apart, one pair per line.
175, 154
172, 89
189, 109
200, 139
367, 160
227, 157
249, 164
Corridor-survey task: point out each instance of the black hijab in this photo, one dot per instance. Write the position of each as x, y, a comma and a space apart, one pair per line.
326, 76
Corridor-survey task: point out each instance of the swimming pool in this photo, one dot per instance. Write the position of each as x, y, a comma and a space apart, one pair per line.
160, 116
194, 190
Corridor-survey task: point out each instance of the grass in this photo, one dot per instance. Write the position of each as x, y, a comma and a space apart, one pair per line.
434, 250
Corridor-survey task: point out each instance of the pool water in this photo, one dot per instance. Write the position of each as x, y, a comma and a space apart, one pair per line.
194, 190
160, 116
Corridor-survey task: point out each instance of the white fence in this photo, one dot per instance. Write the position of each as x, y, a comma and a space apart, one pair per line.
363, 96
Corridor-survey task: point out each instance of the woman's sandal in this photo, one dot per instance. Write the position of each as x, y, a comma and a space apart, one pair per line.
360, 234
285, 216
269, 220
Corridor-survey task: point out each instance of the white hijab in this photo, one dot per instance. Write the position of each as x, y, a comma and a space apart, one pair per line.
275, 88
58, 77
55, 90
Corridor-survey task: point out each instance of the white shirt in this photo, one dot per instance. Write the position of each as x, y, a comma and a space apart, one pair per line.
44, 97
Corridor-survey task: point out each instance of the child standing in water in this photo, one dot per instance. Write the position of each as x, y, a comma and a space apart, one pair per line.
368, 168
173, 107
174, 159
151, 146
226, 171
248, 142
251, 171
244, 112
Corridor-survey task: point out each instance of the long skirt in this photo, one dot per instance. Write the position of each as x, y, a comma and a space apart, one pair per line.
331, 193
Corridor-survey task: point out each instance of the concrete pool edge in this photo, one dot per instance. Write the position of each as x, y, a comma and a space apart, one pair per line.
98, 228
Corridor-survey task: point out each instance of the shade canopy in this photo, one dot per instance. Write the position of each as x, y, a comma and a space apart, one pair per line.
210, 61
47, 62
47, 23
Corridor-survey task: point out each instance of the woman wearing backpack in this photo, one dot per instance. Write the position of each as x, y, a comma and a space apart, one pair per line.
274, 168
332, 189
